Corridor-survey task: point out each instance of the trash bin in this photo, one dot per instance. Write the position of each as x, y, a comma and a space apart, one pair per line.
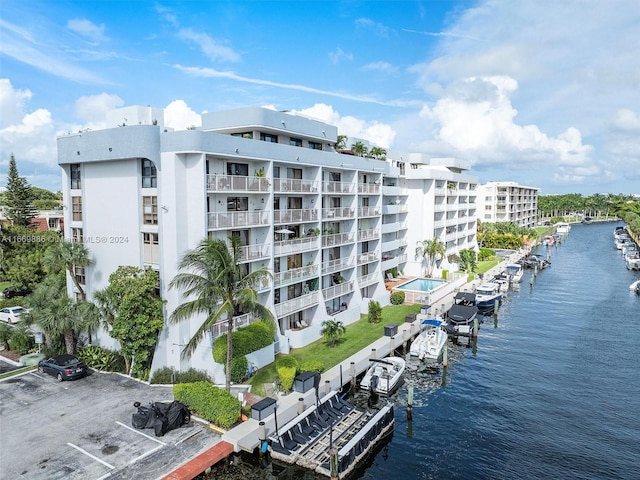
410, 318
262, 409
303, 382
390, 330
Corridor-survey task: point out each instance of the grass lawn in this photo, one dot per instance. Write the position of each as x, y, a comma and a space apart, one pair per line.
4, 285
357, 337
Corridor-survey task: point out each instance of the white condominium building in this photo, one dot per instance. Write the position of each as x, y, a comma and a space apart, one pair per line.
508, 202
328, 226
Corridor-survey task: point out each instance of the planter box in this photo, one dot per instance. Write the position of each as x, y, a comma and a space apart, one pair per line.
390, 330
303, 382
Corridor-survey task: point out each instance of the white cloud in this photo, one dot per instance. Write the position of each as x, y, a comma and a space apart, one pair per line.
339, 55
381, 67
379, 29
179, 115
92, 32
93, 108
210, 47
12, 103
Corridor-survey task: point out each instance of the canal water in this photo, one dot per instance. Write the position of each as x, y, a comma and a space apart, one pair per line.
551, 391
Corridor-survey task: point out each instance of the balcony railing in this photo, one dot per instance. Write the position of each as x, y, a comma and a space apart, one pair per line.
403, 258
368, 212
337, 265
337, 290
338, 187
403, 225
254, 252
369, 279
238, 219
403, 208
368, 188
337, 213
336, 239
298, 245
296, 275
296, 304
295, 185
236, 183
440, 191
371, 234
367, 257
220, 328
295, 216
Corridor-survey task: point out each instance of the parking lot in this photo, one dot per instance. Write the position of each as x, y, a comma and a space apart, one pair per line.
82, 430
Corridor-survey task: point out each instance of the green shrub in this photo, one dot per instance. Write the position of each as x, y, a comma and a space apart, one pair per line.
287, 361
312, 366
192, 376
244, 340
209, 402
375, 312
101, 358
287, 367
397, 298
169, 375
164, 376
239, 367
485, 254
20, 340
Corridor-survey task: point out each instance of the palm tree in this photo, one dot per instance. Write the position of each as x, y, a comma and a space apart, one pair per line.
378, 153
220, 288
68, 256
359, 149
333, 330
341, 142
431, 251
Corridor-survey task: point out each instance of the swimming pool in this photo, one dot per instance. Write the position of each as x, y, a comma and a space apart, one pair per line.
421, 284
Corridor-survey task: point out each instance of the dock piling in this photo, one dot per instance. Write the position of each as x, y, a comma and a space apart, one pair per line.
445, 353
300, 405
373, 354
352, 372
410, 404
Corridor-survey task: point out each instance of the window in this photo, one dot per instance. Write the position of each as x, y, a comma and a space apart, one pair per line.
80, 275
315, 146
150, 210
296, 142
76, 209
237, 204
149, 174
75, 176
265, 137
76, 235
241, 169
150, 248
243, 134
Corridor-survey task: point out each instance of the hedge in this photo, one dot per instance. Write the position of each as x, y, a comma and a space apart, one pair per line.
169, 375
209, 402
397, 298
244, 340
287, 368
101, 358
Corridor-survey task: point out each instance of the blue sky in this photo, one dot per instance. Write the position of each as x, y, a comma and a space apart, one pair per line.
542, 92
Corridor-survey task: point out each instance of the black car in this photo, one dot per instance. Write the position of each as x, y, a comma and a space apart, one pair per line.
12, 292
63, 367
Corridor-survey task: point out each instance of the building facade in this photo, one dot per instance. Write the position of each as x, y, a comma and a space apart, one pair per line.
508, 202
328, 226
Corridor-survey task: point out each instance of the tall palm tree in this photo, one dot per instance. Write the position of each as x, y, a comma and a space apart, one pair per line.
341, 142
68, 256
431, 251
333, 330
378, 153
359, 149
220, 288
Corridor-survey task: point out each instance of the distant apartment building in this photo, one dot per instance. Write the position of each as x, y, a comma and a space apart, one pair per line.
328, 226
508, 202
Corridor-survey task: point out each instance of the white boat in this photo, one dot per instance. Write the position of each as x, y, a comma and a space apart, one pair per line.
563, 228
635, 286
383, 376
428, 345
487, 294
515, 272
632, 261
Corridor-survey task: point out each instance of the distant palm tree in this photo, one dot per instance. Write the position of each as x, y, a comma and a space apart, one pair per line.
68, 256
220, 288
333, 330
359, 149
341, 142
378, 153
431, 251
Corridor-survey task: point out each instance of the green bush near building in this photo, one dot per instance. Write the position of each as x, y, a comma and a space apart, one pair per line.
209, 402
169, 375
397, 298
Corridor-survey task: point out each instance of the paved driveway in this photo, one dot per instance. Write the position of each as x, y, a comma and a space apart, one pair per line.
82, 430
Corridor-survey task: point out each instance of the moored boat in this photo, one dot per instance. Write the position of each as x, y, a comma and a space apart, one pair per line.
515, 272
383, 376
459, 319
428, 345
487, 294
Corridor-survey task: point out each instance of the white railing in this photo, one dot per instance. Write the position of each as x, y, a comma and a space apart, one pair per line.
253, 252
237, 183
367, 257
403, 208
338, 187
296, 215
295, 185
371, 234
338, 212
238, 219
220, 328
451, 221
440, 191
337, 290
368, 188
369, 279
402, 258
403, 225
337, 265
295, 275
402, 242
438, 224
297, 245
296, 304
440, 207
336, 239
368, 211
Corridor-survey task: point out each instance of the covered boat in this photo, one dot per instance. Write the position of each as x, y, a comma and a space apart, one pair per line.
459, 319
428, 345
383, 376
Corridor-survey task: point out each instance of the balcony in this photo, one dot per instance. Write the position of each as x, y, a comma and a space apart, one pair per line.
371, 188
298, 245
402, 258
451, 221
249, 253
337, 290
297, 304
371, 234
403, 208
337, 213
338, 187
368, 212
295, 185
295, 216
337, 265
337, 239
296, 275
440, 207
367, 257
390, 209
220, 328
390, 190
369, 279
238, 219
440, 192
438, 224
403, 225
236, 183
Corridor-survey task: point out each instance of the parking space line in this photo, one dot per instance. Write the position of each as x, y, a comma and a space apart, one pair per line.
91, 456
140, 433
145, 454
107, 475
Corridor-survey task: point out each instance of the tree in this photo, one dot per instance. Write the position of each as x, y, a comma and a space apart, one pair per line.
375, 312
341, 142
378, 153
68, 256
430, 251
467, 260
19, 197
214, 277
134, 314
23, 250
359, 149
333, 330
